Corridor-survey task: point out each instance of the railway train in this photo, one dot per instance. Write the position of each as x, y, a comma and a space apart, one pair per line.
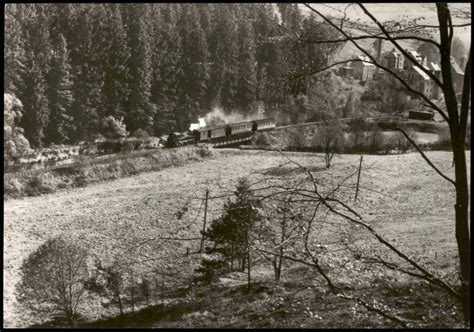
234, 129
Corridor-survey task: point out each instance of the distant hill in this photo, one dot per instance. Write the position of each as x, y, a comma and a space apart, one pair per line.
393, 11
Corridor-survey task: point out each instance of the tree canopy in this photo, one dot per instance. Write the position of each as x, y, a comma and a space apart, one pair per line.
159, 66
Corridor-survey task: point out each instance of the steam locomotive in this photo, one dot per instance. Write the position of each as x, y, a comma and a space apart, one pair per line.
234, 129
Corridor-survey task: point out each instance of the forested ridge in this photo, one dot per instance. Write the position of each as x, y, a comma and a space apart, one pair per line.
156, 66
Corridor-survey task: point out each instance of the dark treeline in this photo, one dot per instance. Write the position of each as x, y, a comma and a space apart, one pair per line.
157, 66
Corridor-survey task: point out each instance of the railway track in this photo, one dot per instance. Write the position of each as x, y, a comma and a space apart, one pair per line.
344, 120
217, 143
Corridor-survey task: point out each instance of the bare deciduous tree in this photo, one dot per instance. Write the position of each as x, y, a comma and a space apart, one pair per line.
455, 113
53, 279
330, 138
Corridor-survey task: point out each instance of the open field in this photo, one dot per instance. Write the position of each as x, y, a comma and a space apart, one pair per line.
400, 195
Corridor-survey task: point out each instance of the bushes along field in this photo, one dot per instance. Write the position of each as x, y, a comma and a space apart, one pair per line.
81, 176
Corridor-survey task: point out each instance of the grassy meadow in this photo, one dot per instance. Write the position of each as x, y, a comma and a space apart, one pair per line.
133, 218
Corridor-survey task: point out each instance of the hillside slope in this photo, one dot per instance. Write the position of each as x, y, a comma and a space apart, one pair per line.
399, 193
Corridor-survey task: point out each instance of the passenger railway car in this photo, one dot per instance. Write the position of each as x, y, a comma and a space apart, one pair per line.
209, 133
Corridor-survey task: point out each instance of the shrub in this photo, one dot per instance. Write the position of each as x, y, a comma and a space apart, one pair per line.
261, 139
444, 141
140, 133
113, 128
329, 138
53, 280
39, 184
172, 141
403, 144
297, 139
205, 151
79, 179
14, 141
129, 145
376, 139
357, 127
212, 267
13, 188
151, 143
109, 146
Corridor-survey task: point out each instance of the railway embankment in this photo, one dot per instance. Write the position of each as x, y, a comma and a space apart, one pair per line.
81, 174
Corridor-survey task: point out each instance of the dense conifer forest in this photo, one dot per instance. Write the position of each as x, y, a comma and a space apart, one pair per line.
155, 66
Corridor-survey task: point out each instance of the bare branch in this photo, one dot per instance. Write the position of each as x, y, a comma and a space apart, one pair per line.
338, 291
431, 276
405, 53
418, 93
323, 69
361, 222
424, 156
377, 36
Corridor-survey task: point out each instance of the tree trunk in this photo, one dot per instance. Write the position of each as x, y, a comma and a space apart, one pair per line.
248, 270
132, 293
459, 158
119, 300
462, 226
70, 317
278, 270
232, 257
279, 260
275, 269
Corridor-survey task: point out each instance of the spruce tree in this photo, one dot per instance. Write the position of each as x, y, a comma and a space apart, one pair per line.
13, 50
233, 233
139, 109
166, 70
194, 67
87, 58
223, 52
34, 73
116, 70
247, 83
61, 123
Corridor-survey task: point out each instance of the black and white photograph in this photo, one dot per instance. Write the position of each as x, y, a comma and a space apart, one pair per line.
237, 165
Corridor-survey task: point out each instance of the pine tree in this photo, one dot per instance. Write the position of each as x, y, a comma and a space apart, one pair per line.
232, 233
61, 123
291, 16
272, 71
166, 70
194, 67
247, 84
33, 92
223, 51
13, 55
87, 58
139, 109
116, 72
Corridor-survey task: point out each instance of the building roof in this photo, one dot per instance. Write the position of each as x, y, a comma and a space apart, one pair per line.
393, 54
434, 66
365, 61
415, 55
456, 68
421, 72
